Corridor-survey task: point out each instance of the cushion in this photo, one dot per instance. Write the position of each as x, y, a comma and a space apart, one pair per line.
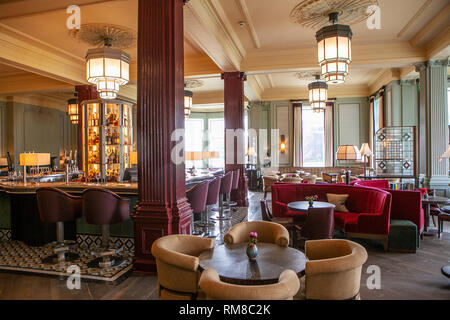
339, 201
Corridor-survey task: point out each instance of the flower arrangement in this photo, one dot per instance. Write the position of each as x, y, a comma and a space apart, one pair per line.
253, 238
342, 171
311, 199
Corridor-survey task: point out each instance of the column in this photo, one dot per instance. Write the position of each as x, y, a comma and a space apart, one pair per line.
433, 123
234, 120
84, 92
162, 207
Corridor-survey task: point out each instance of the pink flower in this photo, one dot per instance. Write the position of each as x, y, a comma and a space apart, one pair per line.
316, 197
253, 235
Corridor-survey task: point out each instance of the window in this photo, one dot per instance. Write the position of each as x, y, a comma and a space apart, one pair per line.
216, 141
194, 139
313, 136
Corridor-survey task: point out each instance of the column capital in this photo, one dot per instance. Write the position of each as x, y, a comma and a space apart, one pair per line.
431, 63
235, 74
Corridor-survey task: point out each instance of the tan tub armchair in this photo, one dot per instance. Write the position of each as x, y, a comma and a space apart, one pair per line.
287, 286
269, 232
333, 271
268, 181
177, 265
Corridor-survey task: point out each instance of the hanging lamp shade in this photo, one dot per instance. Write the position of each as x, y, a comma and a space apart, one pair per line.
187, 103
318, 95
72, 110
108, 69
334, 44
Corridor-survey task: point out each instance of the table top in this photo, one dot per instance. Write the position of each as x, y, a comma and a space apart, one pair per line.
302, 206
233, 266
435, 200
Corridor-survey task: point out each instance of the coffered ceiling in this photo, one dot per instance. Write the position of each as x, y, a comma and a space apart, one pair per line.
255, 36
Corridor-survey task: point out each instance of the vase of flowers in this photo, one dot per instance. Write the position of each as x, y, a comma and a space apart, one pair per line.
311, 199
252, 249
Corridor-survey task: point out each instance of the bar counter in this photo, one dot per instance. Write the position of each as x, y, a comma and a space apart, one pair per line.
19, 214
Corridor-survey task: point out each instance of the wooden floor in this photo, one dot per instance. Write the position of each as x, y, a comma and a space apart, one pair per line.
403, 275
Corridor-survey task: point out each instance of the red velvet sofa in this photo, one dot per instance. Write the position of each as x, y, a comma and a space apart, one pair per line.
382, 184
369, 208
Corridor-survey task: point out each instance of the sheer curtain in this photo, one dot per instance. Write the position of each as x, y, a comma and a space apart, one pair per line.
298, 154
329, 143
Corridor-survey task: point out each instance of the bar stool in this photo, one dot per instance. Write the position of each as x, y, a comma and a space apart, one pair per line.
57, 206
234, 186
197, 198
225, 188
103, 207
211, 199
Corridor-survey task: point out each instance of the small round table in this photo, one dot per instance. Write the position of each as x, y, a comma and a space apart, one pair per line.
426, 203
302, 206
233, 266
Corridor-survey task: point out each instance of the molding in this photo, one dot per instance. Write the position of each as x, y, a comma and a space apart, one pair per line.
295, 93
414, 18
242, 5
207, 25
383, 78
29, 82
39, 100
208, 97
439, 46
431, 26
374, 55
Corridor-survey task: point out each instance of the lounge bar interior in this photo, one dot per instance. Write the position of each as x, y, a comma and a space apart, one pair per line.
224, 150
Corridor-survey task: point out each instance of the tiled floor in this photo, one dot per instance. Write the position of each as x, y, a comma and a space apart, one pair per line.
403, 275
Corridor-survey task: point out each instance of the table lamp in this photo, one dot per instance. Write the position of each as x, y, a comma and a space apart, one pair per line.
33, 159
348, 152
133, 157
365, 153
193, 156
445, 155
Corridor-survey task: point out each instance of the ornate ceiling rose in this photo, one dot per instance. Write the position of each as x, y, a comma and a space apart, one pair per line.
95, 34
315, 13
193, 84
306, 75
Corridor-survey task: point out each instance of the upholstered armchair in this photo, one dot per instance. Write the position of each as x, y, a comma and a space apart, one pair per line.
291, 180
310, 179
177, 265
268, 181
286, 288
333, 269
269, 232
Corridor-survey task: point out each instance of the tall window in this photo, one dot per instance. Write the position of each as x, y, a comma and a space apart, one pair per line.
216, 141
313, 136
194, 139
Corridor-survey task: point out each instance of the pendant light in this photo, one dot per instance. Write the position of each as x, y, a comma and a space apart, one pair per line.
318, 94
108, 69
187, 103
334, 50
72, 109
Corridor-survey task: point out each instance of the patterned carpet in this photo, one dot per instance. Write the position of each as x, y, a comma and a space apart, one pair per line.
17, 256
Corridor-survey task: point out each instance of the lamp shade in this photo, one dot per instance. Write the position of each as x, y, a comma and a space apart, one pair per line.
251, 151
133, 157
334, 47
193, 155
445, 155
348, 152
72, 110
210, 155
34, 159
365, 150
108, 69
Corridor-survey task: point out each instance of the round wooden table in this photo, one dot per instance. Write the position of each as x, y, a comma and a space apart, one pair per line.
426, 204
302, 206
233, 266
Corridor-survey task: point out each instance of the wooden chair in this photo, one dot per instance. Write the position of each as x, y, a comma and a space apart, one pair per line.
287, 222
319, 225
443, 216
327, 178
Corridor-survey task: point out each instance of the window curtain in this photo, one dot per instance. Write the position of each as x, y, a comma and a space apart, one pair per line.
298, 154
371, 141
329, 134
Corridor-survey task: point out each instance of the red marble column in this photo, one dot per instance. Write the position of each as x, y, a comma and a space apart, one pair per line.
234, 119
85, 92
162, 206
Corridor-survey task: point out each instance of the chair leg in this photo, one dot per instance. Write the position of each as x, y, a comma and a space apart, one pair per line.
434, 222
385, 244
265, 194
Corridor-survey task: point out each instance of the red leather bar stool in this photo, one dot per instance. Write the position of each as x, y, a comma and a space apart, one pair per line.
197, 198
234, 186
225, 188
57, 206
211, 199
103, 207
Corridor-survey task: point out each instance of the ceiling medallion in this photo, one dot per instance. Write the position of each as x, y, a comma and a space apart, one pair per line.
315, 13
95, 34
193, 84
306, 75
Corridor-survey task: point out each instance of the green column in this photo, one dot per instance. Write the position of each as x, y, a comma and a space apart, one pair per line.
433, 123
